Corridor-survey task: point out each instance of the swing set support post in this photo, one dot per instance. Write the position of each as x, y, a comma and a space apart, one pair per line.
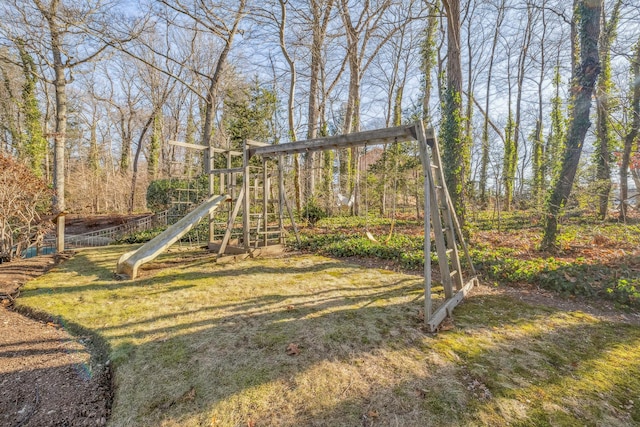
424, 158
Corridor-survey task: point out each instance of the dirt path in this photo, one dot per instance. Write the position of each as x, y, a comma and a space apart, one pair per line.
47, 377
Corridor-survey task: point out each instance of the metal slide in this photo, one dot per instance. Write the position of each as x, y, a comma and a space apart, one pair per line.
129, 263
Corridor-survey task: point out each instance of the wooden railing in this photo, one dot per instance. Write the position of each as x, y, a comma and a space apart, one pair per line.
105, 236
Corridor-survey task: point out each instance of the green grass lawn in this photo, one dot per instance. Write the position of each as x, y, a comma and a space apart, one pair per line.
194, 343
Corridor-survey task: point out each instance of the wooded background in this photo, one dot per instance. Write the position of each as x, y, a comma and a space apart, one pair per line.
92, 91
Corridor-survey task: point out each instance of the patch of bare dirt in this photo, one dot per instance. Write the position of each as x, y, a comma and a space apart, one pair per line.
47, 377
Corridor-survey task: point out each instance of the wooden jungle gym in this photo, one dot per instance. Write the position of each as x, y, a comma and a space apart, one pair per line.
247, 207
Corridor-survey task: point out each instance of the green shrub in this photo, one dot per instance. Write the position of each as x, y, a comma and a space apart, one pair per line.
140, 236
312, 212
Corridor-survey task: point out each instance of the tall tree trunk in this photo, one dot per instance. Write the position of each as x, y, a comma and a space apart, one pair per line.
603, 91
582, 90
632, 134
136, 162
538, 165
484, 162
468, 120
155, 142
429, 58
214, 81
125, 134
455, 149
290, 104
352, 108
60, 138
553, 150
522, 59
321, 13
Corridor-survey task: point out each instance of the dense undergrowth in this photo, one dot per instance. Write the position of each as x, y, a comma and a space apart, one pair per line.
598, 259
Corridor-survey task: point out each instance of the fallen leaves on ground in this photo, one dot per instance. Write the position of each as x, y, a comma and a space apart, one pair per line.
293, 349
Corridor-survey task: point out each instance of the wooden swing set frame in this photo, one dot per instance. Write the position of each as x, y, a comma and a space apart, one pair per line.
437, 207
256, 188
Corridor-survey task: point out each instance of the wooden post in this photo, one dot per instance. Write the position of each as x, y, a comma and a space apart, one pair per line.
232, 219
210, 166
265, 207
287, 205
426, 170
246, 223
60, 232
231, 184
280, 199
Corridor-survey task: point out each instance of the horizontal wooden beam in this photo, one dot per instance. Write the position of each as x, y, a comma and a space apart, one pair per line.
229, 170
204, 147
253, 143
447, 308
188, 145
358, 139
225, 151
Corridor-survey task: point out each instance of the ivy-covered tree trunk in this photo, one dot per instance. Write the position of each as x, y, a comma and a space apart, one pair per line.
632, 133
554, 145
538, 165
582, 89
509, 161
35, 145
429, 57
154, 146
190, 138
94, 151
603, 131
454, 147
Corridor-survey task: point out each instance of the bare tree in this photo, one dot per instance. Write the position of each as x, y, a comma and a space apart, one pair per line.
511, 151
484, 162
538, 166
58, 32
368, 25
291, 98
222, 20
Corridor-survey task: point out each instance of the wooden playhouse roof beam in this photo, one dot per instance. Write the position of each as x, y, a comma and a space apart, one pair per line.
358, 139
204, 147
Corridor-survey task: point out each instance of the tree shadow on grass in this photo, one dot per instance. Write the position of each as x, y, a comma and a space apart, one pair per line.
185, 364
85, 266
232, 357
572, 373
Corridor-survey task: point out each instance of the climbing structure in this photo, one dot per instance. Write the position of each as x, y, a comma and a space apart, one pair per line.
447, 234
248, 220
